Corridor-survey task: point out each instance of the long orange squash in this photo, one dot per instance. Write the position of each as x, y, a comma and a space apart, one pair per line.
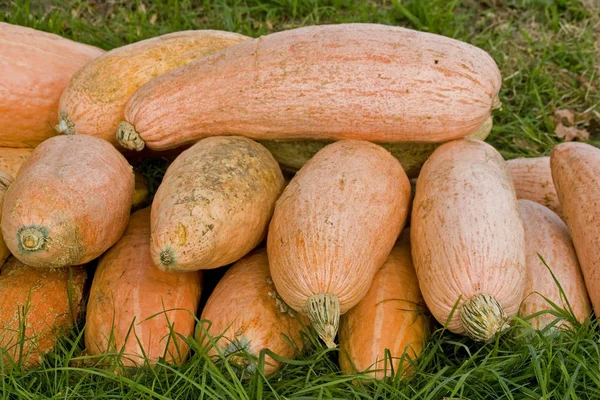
547, 235
36, 306
467, 239
94, 99
214, 204
333, 227
389, 318
5, 181
247, 314
532, 179
330, 82
35, 67
132, 303
576, 176
69, 203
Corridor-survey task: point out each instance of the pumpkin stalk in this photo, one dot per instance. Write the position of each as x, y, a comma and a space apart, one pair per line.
324, 315
31, 239
128, 137
483, 318
65, 124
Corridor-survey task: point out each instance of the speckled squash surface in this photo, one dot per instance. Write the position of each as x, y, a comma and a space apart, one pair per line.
69, 203
11, 159
467, 239
329, 82
333, 228
134, 302
35, 67
5, 181
247, 315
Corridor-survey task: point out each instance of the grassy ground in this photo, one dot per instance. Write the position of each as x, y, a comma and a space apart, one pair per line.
549, 55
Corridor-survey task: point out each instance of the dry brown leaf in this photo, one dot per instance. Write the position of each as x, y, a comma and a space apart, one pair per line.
564, 117
526, 144
153, 19
568, 133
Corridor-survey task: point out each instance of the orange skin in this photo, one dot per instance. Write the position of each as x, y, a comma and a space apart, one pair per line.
214, 204
35, 66
140, 193
532, 179
70, 202
330, 82
547, 234
50, 313
94, 99
5, 181
467, 236
245, 309
129, 290
576, 175
336, 223
389, 317
12, 159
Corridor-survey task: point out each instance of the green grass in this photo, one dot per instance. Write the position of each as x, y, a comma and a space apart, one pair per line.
549, 55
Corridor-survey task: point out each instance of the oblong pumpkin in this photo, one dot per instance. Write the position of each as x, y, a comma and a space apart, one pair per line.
532, 179
69, 203
333, 227
547, 235
391, 317
5, 181
53, 302
329, 82
214, 204
93, 101
132, 302
467, 239
576, 176
248, 314
35, 67
11, 159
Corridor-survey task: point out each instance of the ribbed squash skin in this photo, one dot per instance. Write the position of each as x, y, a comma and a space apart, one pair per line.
35, 67
70, 202
532, 179
11, 159
547, 235
5, 181
390, 317
214, 204
245, 309
46, 292
334, 226
576, 176
466, 234
95, 97
129, 296
329, 82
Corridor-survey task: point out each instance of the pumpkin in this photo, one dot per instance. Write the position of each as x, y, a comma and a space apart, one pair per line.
11, 159
36, 307
141, 189
69, 203
93, 101
576, 176
247, 316
467, 239
214, 204
5, 181
35, 67
330, 82
132, 303
333, 228
532, 179
547, 235
389, 318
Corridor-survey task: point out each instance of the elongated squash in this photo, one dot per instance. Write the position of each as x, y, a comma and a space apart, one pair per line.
36, 306
94, 99
11, 159
70, 202
532, 179
247, 315
576, 176
214, 204
333, 228
5, 181
330, 82
132, 303
391, 317
35, 67
547, 235
467, 239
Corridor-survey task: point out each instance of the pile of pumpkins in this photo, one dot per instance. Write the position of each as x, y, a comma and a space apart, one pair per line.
351, 113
